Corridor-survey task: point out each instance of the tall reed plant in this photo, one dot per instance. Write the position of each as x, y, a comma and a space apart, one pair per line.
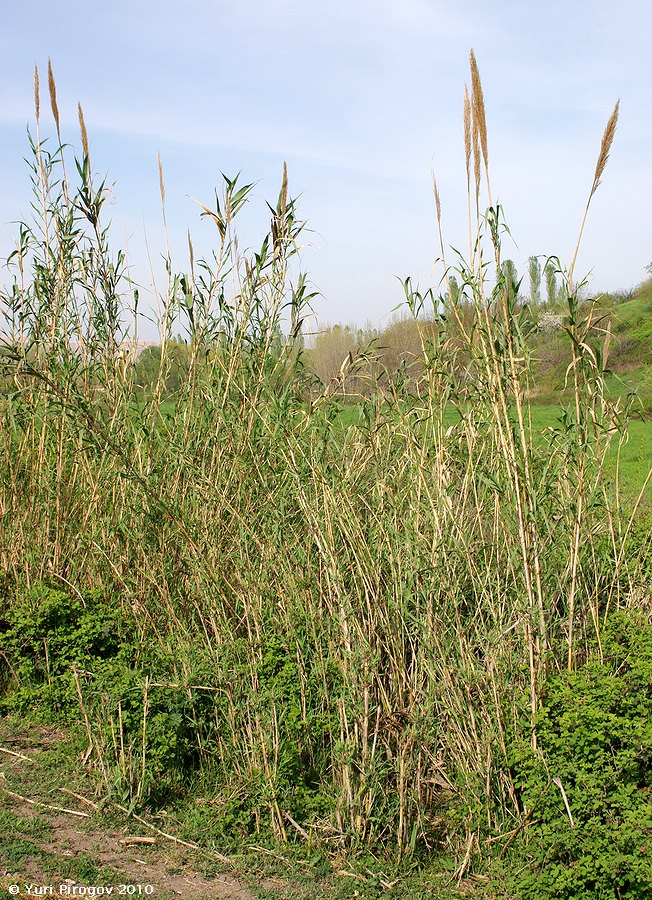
353, 622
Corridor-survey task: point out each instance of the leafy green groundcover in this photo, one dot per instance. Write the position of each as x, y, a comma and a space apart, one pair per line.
44, 635
595, 739
595, 742
73, 658
79, 660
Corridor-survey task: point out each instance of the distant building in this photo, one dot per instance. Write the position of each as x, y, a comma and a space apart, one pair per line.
135, 347
550, 322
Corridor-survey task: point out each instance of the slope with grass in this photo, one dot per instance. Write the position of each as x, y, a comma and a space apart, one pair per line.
629, 320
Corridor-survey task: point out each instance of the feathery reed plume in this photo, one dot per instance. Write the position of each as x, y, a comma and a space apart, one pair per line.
191, 253
467, 133
476, 160
435, 191
82, 129
284, 189
53, 99
479, 115
37, 94
279, 224
55, 113
603, 156
478, 106
468, 124
161, 183
605, 147
41, 172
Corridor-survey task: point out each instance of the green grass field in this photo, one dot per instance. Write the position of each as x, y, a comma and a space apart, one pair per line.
628, 461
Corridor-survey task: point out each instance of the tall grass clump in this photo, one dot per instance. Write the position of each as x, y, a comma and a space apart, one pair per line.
342, 636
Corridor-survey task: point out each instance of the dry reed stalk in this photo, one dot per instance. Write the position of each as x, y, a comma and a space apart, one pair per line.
533, 584
79, 797
61, 809
578, 350
501, 418
144, 737
170, 837
164, 309
14, 753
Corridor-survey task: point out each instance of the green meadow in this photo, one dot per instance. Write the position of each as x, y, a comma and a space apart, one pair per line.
627, 462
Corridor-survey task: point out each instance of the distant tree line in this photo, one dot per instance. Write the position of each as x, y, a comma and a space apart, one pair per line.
353, 360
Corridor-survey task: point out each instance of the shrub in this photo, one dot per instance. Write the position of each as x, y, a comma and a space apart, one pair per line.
156, 715
595, 737
58, 647
47, 633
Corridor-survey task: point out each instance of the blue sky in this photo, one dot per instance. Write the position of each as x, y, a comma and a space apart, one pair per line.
361, 98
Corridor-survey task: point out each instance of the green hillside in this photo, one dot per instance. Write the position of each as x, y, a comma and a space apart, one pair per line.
629, 351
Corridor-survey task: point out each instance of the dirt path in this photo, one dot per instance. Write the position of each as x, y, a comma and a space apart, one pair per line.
60, 854
58, 840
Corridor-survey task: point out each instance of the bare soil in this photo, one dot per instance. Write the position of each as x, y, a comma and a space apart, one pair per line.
124, 856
